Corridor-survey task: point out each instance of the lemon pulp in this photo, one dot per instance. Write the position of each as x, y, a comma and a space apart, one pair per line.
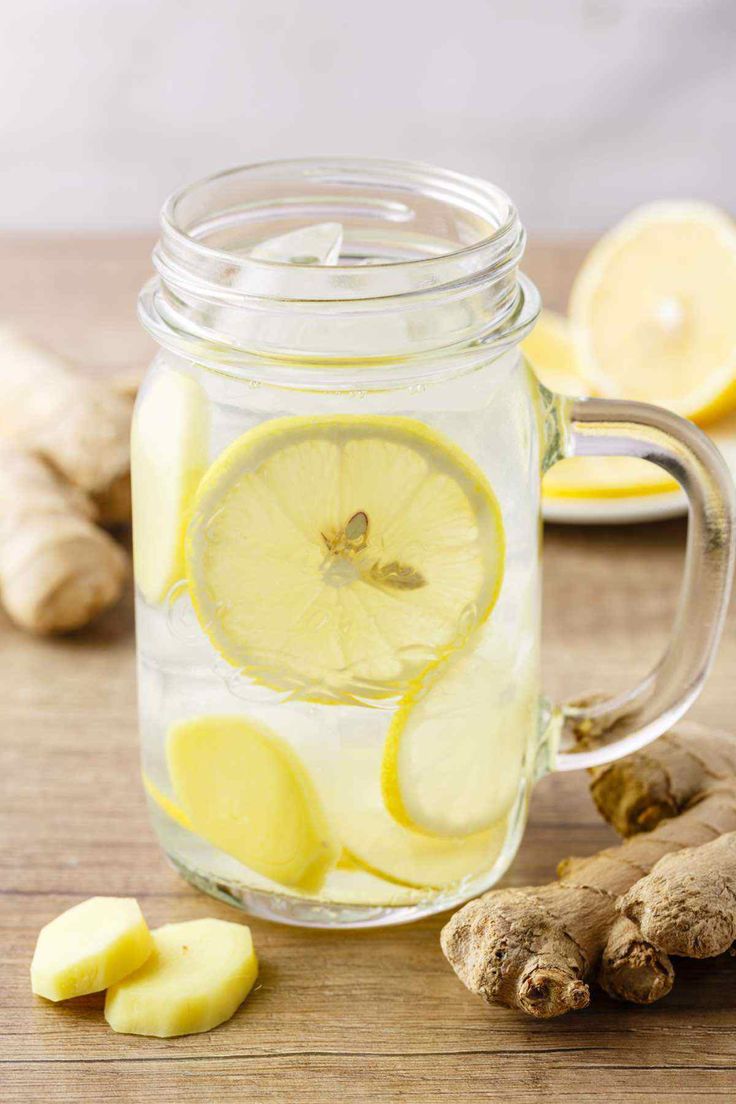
335, 558
452, 762
652, 310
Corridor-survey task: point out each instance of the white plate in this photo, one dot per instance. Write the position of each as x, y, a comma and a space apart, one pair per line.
635, 508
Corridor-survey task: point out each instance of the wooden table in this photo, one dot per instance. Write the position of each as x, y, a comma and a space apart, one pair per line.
363, 1017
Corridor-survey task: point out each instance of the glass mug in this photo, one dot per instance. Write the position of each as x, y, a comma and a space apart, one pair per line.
337, 458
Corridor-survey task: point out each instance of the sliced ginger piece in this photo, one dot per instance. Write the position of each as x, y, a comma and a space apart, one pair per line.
198, 975
89, 947
245, 790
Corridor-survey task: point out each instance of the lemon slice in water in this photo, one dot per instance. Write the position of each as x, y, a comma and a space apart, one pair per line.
452, 762
169, 444
371, 834
337, 557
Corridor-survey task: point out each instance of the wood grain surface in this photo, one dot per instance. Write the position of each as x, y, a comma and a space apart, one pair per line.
362, 1017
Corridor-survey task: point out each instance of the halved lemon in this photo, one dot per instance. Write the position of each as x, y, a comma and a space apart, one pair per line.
652, 310
335, 558
453, 757
318, 244
243, 789
551, 354
169, 445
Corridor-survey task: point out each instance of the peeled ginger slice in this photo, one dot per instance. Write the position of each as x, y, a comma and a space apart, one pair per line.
88, 947
198, 975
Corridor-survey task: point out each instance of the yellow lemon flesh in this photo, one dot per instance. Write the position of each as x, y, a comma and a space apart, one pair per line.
551, 354
244, 790
336, 557
169, 444
453, 757
652, 310
198, 975
549, 351
380, 843
89, 947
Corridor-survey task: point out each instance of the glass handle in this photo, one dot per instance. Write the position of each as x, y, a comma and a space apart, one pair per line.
597, 730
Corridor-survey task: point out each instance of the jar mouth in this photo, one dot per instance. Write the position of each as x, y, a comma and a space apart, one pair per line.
448, 226
429, 261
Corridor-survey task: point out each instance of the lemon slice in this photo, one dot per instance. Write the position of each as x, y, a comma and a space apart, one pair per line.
169, 444
318, 244
385, 847
245, 790
453, 757
336, 557
551, 354
165, 804
652, 310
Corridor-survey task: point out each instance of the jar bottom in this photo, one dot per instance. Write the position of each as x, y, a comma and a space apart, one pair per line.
305, 913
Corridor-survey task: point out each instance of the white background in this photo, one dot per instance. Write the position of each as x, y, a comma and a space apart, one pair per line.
579, 108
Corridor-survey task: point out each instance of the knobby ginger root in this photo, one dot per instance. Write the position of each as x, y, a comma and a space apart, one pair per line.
57, 568
81, 426
618, 915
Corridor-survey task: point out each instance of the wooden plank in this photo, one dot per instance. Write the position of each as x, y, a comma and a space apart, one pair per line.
361, 1017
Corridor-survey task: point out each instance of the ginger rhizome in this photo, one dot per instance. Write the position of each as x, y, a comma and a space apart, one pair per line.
78, 425
57, 568
616, 917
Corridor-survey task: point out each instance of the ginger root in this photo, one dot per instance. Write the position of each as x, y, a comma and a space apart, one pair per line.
618, 915
79, 425
57, 568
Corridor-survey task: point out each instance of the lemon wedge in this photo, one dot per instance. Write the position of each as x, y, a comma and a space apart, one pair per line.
318, 244
550, 351
169, 444
652, 310
385, 847
453, 757
244, 790
335, 558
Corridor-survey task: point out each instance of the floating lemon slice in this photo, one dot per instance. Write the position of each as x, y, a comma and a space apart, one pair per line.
387, 848
318, 244
453, 757
550, 352
244, 790
336, 557
169, 444
652, 310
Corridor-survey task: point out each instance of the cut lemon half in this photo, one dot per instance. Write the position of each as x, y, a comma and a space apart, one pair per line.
652, 310
169, 444
318, 244
452, 762
551, 354
335, 558
244, 790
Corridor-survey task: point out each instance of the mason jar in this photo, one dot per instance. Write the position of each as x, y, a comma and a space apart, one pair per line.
337, 458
